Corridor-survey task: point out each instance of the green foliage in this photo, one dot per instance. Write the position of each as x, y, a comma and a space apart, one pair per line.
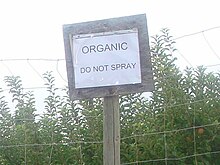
177, 125
184, 100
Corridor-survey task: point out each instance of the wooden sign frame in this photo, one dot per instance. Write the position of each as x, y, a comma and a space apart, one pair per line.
109, 25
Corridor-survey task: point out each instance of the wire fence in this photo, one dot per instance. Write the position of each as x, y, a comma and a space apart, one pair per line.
143, 135
32, 70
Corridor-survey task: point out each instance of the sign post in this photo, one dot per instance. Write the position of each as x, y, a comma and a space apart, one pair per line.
111, 133
108, 58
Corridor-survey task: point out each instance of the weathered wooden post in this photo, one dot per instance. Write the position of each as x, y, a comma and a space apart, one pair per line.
108, 58
111, 126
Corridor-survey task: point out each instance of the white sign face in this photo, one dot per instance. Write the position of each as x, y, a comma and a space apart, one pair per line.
106, 59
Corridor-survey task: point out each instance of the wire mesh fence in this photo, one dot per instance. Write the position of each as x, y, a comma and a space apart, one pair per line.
185, 131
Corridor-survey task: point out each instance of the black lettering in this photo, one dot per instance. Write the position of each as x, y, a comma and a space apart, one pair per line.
124, 46
82, 70
113, 67
107, 47
114, 47
100, 48
85, 49
101, 68
95, 69
92, 47
119, 47
106, 67
133, 64
123, 66
128, 66
85, 70
118, 66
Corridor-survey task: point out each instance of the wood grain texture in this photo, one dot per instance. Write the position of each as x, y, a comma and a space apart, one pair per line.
110, 25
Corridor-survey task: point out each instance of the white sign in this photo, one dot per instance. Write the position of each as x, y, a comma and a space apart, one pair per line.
106, 59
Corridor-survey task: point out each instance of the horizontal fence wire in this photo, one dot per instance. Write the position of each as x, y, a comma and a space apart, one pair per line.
54, 144
61, 75
171, 131
133, 136
172, 159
